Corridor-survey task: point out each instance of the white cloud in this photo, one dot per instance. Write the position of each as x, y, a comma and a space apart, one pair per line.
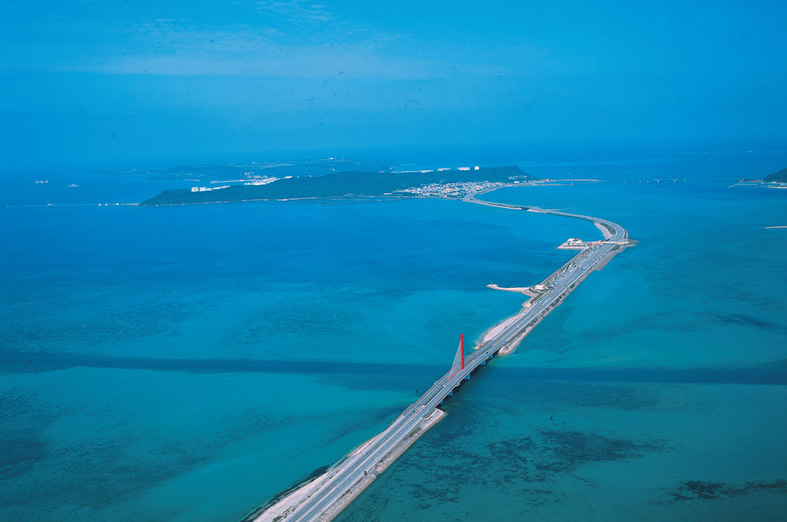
297, 10
168, 48
246, 55
301, 40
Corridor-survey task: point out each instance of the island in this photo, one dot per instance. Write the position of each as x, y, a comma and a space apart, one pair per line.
256, 170
455, 183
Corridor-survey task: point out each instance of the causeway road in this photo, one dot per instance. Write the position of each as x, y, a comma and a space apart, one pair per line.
324, 497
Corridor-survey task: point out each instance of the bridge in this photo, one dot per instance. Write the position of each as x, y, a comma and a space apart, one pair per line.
324, 497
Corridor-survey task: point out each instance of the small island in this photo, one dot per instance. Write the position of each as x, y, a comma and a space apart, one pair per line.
256, 170
454, 183
777, 180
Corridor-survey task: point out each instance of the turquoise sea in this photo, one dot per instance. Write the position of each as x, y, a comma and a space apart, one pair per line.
189, 363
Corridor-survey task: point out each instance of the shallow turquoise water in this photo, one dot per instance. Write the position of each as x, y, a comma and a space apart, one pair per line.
188, 363
192, 362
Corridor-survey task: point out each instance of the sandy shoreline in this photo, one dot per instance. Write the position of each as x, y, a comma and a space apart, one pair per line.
527, 290
496, 329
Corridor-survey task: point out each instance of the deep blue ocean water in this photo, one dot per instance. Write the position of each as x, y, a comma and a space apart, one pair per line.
188, 363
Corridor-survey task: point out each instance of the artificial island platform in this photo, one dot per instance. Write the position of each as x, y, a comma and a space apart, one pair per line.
324, 497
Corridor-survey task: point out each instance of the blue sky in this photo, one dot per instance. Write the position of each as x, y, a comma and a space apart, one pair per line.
162, 82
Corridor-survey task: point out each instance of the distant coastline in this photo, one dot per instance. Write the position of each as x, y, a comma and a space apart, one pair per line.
777, 180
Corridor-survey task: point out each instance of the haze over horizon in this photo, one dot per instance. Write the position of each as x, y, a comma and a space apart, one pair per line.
106, 83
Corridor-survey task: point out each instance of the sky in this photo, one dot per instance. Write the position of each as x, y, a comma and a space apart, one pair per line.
157, 83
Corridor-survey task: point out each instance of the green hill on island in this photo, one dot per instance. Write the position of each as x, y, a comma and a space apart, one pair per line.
339, 184
780, 176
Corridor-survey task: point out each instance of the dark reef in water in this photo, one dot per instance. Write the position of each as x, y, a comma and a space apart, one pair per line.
705, 490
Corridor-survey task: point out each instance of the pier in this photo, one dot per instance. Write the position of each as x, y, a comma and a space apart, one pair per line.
324, 497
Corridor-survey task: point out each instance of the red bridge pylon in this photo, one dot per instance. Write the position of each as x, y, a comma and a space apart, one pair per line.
459, 358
